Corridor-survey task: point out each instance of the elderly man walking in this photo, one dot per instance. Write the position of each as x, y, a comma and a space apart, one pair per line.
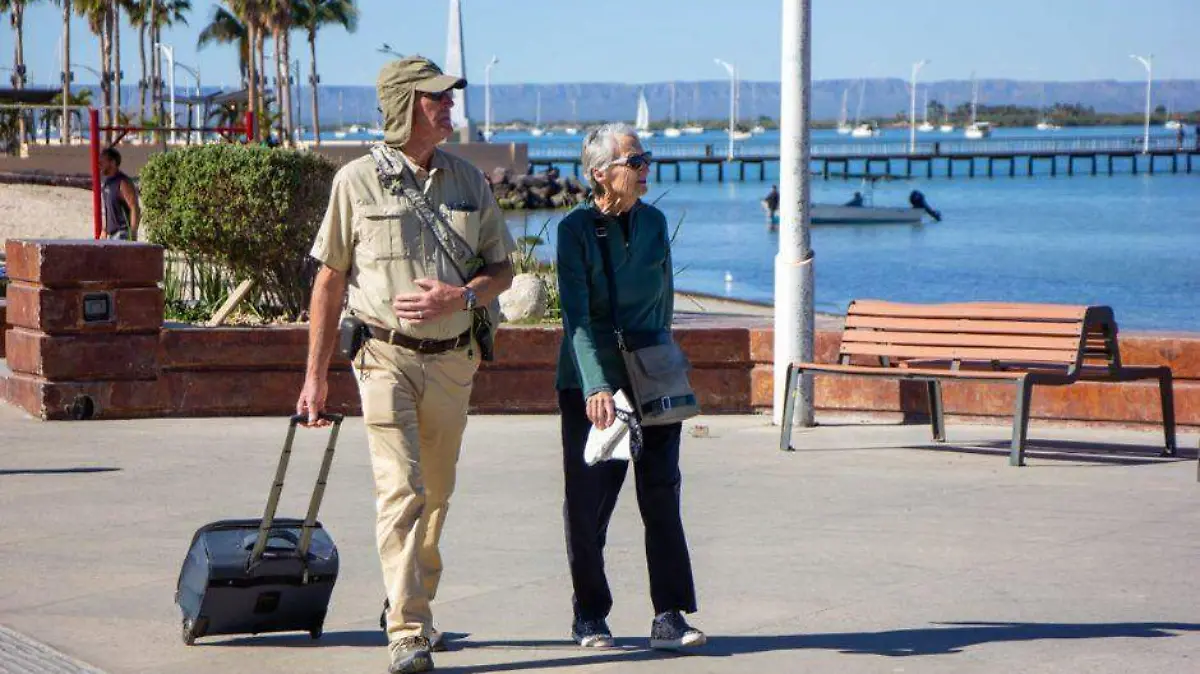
416, 238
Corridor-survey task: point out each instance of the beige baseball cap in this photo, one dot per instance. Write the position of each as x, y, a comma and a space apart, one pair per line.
397, 82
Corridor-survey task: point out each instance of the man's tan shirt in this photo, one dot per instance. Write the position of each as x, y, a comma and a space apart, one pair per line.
380, 241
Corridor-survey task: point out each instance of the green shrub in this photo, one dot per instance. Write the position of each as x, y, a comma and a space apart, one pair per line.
249, 209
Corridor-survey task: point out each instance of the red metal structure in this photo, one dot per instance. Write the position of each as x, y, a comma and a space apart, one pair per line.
230, 133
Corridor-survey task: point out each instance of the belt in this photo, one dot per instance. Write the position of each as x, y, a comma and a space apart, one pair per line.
660, 405
426, 346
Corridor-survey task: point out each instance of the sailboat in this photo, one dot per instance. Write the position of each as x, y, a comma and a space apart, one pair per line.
672, 131
946, 126
843, 126
537, 131
925, 126
1172, 124
1044, 124
573, 130
976, 130
862, 129
757, 128
642, 124
693, 129
341, 130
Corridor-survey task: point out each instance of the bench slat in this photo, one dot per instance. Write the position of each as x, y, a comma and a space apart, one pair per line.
965, 325
900, 372
960, 353
957, 339
1041, 312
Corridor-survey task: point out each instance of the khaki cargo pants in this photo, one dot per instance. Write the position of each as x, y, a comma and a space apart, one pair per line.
415, 411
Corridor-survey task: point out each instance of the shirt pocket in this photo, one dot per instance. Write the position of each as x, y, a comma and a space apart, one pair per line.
467, 225
387, 232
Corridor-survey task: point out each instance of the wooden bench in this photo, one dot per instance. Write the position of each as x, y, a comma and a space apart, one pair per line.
1023, 344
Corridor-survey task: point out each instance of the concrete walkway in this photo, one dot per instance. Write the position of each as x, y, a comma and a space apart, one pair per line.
866, 551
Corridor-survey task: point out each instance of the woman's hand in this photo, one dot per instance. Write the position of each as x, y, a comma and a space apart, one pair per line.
600, 410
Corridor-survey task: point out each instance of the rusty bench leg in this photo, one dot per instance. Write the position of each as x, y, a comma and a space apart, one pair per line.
1166, 391
791, 389
937, 417
1020, 422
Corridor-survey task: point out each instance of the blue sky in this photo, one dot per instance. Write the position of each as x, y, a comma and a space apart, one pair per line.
547, 41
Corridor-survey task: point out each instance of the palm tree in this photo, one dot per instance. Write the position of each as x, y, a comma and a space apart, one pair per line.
99, 18
16, 8
251, 15
280, 17
313, 14
162, 13
225, 28
81, 98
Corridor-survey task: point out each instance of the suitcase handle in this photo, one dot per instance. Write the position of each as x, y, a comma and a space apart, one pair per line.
314, 504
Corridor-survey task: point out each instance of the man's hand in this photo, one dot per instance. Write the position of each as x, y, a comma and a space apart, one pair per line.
600, 410
312, 401
437, 300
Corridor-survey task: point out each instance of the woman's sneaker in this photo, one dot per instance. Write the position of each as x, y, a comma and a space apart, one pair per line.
591, 633
670, 631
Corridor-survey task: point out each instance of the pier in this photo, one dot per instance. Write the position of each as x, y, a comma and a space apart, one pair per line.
948, 158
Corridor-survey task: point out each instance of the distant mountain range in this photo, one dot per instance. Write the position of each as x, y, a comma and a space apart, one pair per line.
882, 98
710, 100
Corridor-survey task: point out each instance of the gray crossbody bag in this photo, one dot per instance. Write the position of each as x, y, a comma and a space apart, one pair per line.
657, 372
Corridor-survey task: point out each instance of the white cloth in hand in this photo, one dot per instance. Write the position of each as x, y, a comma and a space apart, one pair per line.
612, 443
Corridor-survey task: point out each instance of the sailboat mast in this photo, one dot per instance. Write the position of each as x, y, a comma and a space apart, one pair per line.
672, 104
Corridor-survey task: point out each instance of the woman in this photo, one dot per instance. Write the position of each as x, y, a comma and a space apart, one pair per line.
590, 371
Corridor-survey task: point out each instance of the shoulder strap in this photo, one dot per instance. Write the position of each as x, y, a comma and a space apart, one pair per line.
601, 230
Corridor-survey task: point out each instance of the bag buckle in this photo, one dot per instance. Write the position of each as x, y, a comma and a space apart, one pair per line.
665, 402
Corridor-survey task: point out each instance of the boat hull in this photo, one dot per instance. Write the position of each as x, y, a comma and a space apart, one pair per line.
830, 214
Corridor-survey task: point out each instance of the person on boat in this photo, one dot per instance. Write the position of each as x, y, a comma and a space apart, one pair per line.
857, 201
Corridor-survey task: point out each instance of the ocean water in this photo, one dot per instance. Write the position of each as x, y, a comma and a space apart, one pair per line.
1130, 242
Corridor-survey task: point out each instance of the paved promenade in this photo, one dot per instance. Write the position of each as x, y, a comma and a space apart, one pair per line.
867, 551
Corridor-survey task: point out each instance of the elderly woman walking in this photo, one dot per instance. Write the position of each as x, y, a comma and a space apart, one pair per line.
590, 371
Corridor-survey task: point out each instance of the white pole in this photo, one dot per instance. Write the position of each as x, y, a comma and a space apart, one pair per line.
794, 262
912, 107
732, 101
170, 53
487, 98
1148, 63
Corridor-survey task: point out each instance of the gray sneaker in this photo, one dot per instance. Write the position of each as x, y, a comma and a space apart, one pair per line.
411, 655
591, 633
670, 631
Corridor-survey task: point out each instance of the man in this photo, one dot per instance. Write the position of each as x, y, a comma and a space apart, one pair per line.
771, 204
386, 239
121, 211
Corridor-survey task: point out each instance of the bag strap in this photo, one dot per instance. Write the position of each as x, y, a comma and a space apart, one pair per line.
601, 230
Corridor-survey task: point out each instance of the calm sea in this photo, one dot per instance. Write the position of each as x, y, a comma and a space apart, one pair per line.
1131, 242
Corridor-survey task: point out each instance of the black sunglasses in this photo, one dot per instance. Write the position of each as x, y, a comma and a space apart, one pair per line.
634, 161
440, 97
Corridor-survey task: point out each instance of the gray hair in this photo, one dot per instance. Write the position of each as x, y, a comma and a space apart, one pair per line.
600, 148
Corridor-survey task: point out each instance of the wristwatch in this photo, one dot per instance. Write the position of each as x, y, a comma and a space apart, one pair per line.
472, 299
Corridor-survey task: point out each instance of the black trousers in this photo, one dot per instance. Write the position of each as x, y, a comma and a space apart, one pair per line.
591, 496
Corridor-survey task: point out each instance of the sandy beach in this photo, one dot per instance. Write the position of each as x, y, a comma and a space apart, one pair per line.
43, 212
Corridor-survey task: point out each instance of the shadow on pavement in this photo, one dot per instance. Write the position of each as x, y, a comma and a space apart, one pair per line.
57, 471
946, 638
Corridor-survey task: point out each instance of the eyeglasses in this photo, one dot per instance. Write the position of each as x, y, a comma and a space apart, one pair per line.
634, 161
440, 97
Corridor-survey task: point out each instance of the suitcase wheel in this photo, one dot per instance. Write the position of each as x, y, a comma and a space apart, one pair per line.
189, 637
383, 614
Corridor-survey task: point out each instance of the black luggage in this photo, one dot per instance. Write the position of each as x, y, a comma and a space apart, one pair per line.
262, 575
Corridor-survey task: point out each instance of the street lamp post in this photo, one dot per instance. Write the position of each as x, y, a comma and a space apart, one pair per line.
170, 54
794, 319
487, 98
732, 101
1148, 62
195, 73
912, 106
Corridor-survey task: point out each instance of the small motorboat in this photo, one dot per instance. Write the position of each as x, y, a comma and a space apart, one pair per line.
861, 211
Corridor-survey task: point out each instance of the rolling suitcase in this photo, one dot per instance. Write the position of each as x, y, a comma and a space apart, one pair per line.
262, 575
